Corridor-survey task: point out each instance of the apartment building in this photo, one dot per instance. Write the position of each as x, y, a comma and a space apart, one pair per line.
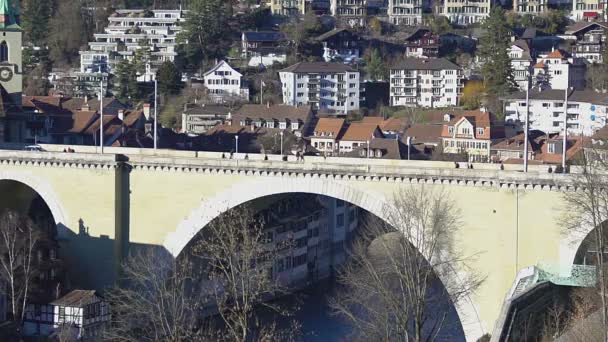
129, 31
472, 133
521, 62
349, 12
288, 8
329, 86
586, 111
589, 40
293, 119
407, 12
559, 70
428, 82
340, 44
589, 10
264, 47
358, 134
200, 119
464, 12
225, 84
326, 135
421, 43
533, 7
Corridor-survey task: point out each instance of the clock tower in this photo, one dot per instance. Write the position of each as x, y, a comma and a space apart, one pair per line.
11, 40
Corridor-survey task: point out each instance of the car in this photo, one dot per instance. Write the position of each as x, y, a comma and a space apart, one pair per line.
34, 148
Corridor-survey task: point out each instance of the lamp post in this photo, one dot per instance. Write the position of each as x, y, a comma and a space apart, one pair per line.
281, 133
155, 112
367, 149
236, 145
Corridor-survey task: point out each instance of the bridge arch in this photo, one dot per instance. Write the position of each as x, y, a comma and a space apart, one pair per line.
249, 190
42, 189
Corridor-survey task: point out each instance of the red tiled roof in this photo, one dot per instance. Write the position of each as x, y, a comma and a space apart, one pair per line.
329, 126
360, 131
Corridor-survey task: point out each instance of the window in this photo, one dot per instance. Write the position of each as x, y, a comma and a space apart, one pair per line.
480, 130
451, 130
351, 215
551, 148
3, 52
340, 220
339, 203
299, 260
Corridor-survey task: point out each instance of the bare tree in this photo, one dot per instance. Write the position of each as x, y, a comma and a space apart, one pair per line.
390, 283
159, 299
18, 239
238, 258
587, 207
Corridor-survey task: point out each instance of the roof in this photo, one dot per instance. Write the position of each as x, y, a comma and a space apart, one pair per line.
278, 112
77, 298
110, 124
478, 119
218, 65
110, 104
515, 143
389, 149
601, 134
582, 25
132, 117
539, 65
589, 96
308, 67
529, 33
76, 123
558, 53
425, 133
574, 145
329, 126
264, 36
393, 124
359, 131
522, 44
208, 109
376, 120
424, 64
332, 33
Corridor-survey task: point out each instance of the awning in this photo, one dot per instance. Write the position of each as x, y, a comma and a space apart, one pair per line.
590, 15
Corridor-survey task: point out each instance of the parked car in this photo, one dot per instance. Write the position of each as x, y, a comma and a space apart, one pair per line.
34, 148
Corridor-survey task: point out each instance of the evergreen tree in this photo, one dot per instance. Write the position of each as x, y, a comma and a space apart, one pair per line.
126, 77
65, 38
374, 66
497, 71
142, 56
35, 21
169, 79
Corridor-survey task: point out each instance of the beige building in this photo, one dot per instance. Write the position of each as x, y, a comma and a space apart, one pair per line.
326, 135
349, 12
589, 10
288, 7
464, 12
530, 6
406, 12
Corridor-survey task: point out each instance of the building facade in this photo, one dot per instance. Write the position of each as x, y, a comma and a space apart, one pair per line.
153, 32
288, 7
340, 44
200, 119
326, 135
407, 12
521, 63
464, 12
263, 47
589, 40
471, 134
559, 70
329, 86
586, 111
349, 12
422, 43
292, 119
225, 84
430, 82
533, 7
358, 134
589, 10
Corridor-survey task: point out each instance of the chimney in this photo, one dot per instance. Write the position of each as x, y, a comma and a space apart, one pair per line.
121, 114
147, 111
85, 105
267, 104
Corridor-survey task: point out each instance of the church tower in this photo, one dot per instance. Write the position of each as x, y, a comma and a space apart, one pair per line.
11, 41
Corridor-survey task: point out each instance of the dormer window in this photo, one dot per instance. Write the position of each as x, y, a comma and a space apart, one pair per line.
378, 153
451, 129
480, 131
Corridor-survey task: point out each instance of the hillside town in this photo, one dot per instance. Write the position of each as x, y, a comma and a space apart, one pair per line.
466, 83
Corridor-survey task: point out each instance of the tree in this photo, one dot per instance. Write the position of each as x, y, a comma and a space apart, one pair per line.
440, 24
169, 79
159, 299
126, 79
375, 26
18, 239
497, 71
236, 257
35, 21
555, 21
395, 264
63, 43
375, 66
142, 57
472, 94
36, 82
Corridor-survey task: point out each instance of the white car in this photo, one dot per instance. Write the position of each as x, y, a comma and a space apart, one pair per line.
34, 148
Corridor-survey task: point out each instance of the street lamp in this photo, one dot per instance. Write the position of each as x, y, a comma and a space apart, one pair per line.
236, 145
367, 149
281, 133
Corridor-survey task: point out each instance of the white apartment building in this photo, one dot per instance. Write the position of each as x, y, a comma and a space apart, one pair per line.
589, 10
464, 12
225, 84
128, 31
406, 12
558, 70
429, 82
521, 62
586, 111
288, 7
330, 86
530, 6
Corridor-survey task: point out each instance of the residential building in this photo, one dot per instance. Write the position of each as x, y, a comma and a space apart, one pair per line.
464, 12
340, 45
586, 111
199, 119
293, 119
73, 83
589, 40
423, 139
471, 133
85, 311
380, 148
521, 63
225, 84
513, 148
588, 10
328, 86
264, 47
559, 70
325, 137
130, 30
429, 82
349, 12
551, 151
533, 7
422, 42
391, 128
358, 134
407, 12
288, 8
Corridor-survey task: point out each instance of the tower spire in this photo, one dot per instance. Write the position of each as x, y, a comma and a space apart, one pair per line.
9, 14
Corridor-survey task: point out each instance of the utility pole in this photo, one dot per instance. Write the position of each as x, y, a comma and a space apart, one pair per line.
261, 92
526, 125
101, 115
564, 142
155, 112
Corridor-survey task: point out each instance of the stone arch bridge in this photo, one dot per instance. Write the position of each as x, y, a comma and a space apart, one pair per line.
104, 203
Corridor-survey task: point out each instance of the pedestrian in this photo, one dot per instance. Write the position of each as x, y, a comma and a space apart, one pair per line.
223, 156
265, 157
246, 156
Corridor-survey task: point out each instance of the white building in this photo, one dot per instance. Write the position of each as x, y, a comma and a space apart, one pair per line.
430, 82
588, 10
358, 134
331, 86
225, 84
586, 111
558, 70
521, 62
130, 30
326, 135
464, 12
407, 12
